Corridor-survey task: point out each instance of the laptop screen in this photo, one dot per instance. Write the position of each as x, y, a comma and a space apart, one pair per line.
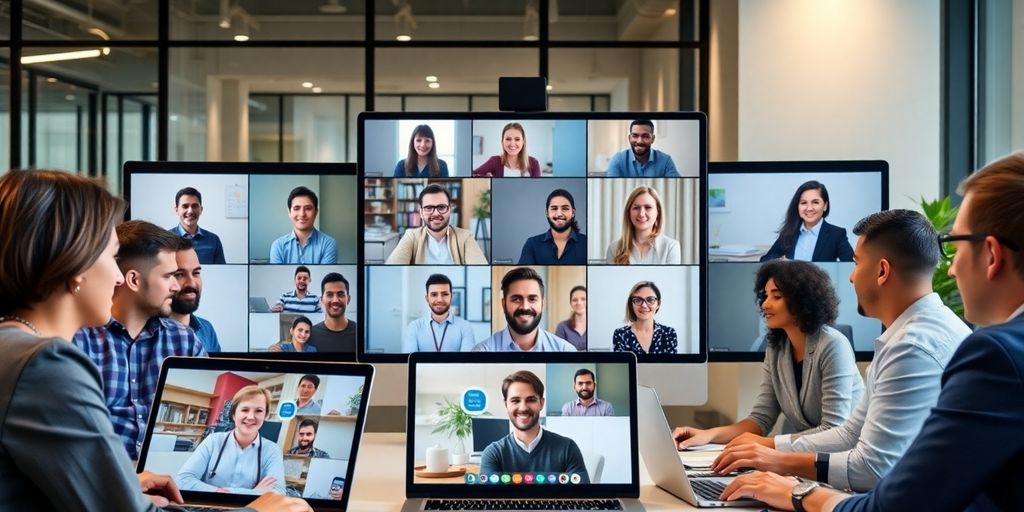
243, 433
522, 426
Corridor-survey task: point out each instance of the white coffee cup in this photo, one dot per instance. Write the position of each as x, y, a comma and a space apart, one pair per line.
437, 459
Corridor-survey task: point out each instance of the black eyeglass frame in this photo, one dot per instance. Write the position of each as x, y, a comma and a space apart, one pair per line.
945, 238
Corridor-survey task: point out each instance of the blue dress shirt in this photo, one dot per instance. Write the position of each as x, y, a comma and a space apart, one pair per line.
442, 171
501, 341
204, 331
207, 244
238, 467
806, 241
287, 346
320, 249
541, 250
131, 368
453, 334
625, 165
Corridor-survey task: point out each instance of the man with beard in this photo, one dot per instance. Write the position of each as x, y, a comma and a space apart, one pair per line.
528, 448
639, 160
588, 404
306, 435
522, 299
188, 206
436, 242
298, 300
129, 349
336, 333
186, 301
440, 331
894, 260
563, 244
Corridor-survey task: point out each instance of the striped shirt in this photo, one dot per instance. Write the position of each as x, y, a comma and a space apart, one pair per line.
292, 303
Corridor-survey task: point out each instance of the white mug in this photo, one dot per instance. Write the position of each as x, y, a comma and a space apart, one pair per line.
437, 459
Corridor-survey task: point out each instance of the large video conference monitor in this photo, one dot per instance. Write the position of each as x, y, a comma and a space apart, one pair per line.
747, 205
262, 289
600, 210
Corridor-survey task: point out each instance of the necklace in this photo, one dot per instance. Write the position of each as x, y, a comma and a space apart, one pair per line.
26, 323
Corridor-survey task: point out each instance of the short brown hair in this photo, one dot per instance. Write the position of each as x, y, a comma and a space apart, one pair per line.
141, 243
630, 314
526, 377
246, 393
53, 227
997, 191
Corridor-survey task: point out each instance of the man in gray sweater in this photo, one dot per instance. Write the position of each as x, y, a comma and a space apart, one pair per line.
529, 448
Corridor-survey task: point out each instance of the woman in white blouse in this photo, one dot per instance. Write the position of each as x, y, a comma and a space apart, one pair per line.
642, 241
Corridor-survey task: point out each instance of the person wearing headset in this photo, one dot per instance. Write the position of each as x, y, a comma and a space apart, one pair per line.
239, 461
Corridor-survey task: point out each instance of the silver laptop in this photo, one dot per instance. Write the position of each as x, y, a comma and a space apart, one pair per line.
562, 462
258, 305
666, 467
305, 441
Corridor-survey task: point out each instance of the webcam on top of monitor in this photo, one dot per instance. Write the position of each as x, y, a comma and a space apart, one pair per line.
523, 94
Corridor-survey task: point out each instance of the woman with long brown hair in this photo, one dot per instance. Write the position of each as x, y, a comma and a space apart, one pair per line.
643, 241
514, 161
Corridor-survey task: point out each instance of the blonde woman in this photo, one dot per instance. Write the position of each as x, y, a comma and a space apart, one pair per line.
643, 241
513, 162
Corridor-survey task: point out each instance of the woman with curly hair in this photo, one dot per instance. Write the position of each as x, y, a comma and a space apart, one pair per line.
810, 374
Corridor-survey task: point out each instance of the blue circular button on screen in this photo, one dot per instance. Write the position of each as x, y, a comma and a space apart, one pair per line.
286, 410
474, 401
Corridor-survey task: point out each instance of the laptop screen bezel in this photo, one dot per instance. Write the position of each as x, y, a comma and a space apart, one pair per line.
262, 365
621, 490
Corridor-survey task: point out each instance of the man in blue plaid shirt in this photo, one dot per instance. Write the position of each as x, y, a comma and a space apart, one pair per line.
128, 350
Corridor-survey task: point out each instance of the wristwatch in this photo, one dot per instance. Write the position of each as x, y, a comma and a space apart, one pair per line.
800, 491
821, 466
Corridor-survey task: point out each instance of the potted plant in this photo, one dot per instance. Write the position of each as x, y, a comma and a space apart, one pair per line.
456, 423
355, 401
941, 213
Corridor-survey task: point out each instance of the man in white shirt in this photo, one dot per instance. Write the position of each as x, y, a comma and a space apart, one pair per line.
894, 260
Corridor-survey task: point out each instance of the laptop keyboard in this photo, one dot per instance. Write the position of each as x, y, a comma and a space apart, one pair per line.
198, 508
710, 490
522, 505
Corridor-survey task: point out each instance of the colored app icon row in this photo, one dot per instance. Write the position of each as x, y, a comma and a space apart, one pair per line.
522, 478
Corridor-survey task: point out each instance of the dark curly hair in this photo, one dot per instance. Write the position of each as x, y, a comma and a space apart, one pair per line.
808, 292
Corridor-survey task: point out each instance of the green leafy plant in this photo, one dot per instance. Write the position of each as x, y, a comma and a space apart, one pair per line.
453, 420
482, 210
355, 401
940, 214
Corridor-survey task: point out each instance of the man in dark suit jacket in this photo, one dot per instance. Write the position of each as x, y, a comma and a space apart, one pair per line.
832, 245
970, 451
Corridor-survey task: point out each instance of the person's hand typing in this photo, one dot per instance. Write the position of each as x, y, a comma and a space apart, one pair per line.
160, 489
273, 502
687, 437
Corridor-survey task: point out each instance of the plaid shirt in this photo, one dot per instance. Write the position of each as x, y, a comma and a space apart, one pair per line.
131, 369
313, 453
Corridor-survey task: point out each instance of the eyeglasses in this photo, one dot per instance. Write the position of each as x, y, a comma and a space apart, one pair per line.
948, 249
651, 301
439, 208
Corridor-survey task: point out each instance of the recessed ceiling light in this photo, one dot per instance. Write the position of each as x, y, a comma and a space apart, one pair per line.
307, 85
670, 12
530, 38
51, 80
434, 85
318, 90
549, 87
431, 78
404, 38
241, 38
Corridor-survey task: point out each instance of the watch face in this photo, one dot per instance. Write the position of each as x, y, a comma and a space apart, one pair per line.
803, 488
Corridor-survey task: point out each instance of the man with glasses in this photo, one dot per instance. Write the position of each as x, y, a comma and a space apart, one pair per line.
968, 454
436, 242
639, 160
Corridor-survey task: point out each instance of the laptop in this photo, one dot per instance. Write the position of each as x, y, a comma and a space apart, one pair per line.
258, 305
192, 436
666, 467
571, 463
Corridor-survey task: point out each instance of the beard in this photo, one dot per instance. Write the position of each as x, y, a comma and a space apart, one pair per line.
441, 309
440, 221
532, 422
185, 307
305, 444
585, 394
640, 151
522, 329
565, 227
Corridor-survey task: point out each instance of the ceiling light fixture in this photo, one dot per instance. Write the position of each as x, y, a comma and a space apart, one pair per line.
307, 85
318, 90
405, 22
431, 78
241, 38
549, 87
531, 21
72, 55
434, 85
670, 12
51, 80
404, 38
333, 7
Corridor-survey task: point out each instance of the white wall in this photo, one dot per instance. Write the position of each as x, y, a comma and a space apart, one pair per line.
844, 79
223, 303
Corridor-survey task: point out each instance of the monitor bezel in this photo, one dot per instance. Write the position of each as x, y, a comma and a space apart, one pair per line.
627, 490
792, 167
699, 357
258, 169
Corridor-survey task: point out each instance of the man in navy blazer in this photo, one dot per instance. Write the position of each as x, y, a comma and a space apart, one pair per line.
970, 451
832, 245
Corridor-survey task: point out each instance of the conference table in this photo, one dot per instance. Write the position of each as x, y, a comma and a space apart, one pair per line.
379, 481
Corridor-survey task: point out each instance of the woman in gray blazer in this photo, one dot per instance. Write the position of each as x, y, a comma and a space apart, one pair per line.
809, 373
